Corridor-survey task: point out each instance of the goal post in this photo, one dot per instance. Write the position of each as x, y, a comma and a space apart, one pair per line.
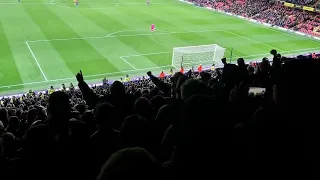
192, 56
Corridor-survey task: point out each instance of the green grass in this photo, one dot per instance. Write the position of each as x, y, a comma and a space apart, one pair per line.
101, 36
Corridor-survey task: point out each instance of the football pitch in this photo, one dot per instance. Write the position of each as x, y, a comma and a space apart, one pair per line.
46, 42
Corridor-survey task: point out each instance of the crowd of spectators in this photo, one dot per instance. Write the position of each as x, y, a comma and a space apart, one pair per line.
256, 121
269, 11
303, 2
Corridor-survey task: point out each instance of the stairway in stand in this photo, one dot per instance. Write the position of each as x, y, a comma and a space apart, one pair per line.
316, 4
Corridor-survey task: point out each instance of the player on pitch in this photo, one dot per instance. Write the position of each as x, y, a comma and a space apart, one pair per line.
76, 3
153, 28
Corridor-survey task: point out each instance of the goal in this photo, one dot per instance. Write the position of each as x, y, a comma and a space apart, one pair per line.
192, 56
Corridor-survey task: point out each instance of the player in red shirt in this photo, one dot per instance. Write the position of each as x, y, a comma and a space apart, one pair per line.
182, 70
153, 27
314, 56
162, 74
200, 68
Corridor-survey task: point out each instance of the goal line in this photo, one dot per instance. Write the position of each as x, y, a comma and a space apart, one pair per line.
152, 68
88, 76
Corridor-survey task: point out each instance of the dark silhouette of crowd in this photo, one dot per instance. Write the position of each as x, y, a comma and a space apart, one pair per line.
269, 11
251, 121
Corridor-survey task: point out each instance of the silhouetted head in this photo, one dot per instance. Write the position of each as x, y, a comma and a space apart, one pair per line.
117, 88
224, 61
59, 107
32, 115
166, 116
14, 122
241, 62
157, 102
193, 87
131, 163
133, 132
2, 130
105, 115
4, 116
180, 81
175, 78
142, 107
201, 116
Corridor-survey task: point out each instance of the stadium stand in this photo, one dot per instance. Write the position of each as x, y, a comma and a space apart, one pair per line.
251, 121
303, 2
208, 124
272, 12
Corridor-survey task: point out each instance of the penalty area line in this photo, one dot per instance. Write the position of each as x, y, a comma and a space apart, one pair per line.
148, 54
111, 35
153, 68
252, 40
254, 55
128, 63
35, 59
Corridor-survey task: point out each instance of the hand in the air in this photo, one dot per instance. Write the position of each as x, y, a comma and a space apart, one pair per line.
79, 76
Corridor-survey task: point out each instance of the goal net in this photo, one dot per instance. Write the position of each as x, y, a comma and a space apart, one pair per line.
192, 56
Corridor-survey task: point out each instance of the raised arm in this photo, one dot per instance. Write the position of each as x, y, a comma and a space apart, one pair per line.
161, 85
87, 93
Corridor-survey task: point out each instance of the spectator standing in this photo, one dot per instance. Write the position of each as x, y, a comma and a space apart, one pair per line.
162, 75
199, 68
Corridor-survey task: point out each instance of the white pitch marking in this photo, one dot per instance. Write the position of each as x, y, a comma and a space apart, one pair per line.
67, 39
116, 32
120, 72
116, 4
283, 53
259, 25
162, 33
299, 50
254, 55
108, 36
61, 6
130, 3
8, 3
134, 35
128, 63
124, 35
94, 75
146, 54
130, 30
35, 59
282, 32
252, 40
